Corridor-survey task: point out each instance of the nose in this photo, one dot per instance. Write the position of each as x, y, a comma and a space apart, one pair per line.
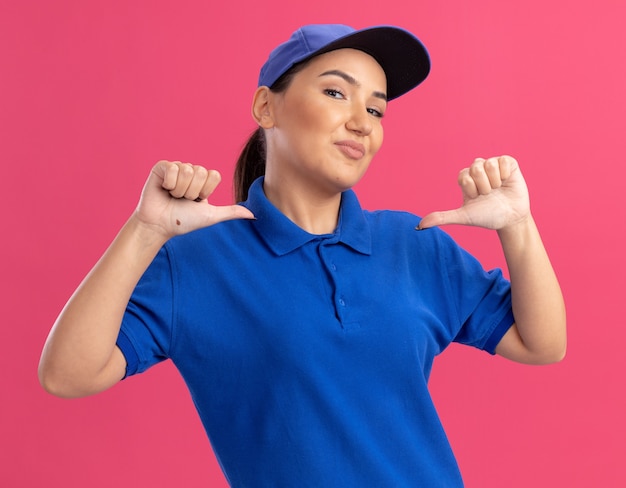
359, 121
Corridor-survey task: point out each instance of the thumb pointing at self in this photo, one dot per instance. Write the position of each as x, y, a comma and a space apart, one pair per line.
433, 219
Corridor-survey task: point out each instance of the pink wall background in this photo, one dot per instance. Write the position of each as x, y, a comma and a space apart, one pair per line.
93, 93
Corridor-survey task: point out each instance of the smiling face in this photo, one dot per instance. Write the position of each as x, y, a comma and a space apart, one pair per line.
323, 131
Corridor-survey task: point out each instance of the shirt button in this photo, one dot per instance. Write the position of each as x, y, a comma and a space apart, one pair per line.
333, 267
342, 302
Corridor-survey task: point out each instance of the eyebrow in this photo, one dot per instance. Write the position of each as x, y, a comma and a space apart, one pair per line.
352, 81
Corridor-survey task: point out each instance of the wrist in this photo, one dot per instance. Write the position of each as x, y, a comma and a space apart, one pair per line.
146, 235
519, 235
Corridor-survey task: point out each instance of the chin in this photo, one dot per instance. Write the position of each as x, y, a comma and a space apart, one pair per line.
348, 179
343, 184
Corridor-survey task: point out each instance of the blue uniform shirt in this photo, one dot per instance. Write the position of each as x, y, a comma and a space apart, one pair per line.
307, 356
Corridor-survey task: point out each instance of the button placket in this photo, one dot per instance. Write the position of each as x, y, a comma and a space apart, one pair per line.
337, 298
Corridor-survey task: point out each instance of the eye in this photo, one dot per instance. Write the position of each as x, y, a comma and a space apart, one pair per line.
333, 93
375, 112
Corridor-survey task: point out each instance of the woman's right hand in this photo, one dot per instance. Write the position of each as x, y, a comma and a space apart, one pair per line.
80, 356
174, 199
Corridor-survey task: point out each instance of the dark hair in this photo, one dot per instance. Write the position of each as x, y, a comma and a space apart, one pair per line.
251, 161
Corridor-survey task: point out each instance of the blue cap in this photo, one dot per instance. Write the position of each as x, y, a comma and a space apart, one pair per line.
402, 56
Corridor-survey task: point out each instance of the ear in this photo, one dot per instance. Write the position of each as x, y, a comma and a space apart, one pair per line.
262, 107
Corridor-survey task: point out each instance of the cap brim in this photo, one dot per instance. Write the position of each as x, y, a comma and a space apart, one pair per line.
402, 56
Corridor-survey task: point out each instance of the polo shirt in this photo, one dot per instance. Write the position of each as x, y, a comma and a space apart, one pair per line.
308, 356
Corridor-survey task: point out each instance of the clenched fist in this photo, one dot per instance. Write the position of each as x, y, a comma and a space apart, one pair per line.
495, 196
174, 199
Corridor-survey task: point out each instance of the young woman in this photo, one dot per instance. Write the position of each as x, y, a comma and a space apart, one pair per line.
304, 326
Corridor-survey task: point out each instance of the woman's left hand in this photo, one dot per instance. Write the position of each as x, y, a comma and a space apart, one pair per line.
495, 196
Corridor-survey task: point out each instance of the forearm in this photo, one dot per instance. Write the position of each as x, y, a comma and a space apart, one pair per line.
538, 305
79, 356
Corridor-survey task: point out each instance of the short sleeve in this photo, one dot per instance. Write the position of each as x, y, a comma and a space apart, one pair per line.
147, 327
482, 298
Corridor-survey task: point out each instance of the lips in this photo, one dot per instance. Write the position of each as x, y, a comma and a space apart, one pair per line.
352, 149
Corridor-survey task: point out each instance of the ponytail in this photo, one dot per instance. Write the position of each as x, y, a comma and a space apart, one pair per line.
250, 165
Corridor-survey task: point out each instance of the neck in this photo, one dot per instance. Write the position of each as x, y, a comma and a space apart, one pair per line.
313, 211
